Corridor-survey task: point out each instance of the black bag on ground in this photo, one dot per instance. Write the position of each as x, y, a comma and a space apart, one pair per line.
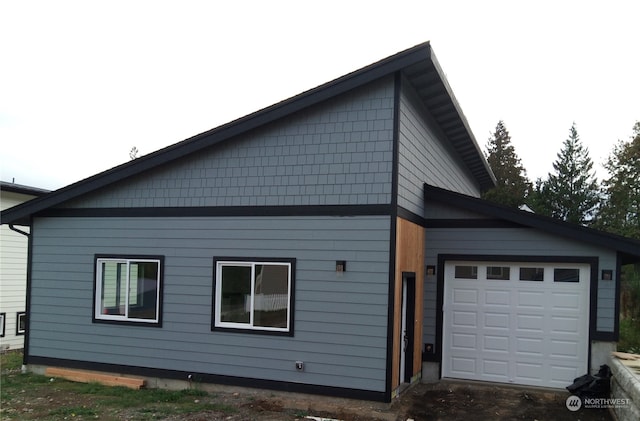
588, 386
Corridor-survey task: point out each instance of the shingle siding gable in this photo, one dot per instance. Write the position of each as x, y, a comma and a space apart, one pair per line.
336, 153
426, 156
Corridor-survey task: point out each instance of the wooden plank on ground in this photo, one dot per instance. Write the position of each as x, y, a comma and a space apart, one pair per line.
625, 355
88, 377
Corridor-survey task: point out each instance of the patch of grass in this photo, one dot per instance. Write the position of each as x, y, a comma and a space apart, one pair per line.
629, 336
11, 360
75, 411
301, 414
93, 388
57, 399
13, 384
159, 411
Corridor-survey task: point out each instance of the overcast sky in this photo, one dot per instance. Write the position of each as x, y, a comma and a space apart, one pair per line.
82, 82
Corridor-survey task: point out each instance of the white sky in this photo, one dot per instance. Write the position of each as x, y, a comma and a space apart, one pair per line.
82, 82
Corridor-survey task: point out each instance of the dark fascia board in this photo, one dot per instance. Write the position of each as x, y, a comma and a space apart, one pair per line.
22, 189
421, 53
628, 248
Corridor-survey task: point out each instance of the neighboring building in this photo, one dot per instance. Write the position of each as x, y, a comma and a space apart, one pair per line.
333, 243
13, 268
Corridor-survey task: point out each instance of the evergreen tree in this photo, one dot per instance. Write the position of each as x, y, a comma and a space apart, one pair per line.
539, 198
620, 209
572, 191
512, 184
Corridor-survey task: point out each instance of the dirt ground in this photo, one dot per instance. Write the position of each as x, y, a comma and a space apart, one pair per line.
464, 401
441, 401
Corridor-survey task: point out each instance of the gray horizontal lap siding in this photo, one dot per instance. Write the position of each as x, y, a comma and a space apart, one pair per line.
519, 242
336, 153
339, 322
425, 156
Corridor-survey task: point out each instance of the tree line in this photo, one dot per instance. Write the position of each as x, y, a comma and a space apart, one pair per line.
572, 192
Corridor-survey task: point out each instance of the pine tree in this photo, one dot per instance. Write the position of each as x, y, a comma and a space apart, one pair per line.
539, 198
512, 183
572, 191
620, 209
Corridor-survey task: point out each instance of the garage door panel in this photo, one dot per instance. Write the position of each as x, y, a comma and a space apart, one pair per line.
497, 298
465, 319
496, 320
563, 348
530, 322
465, 296
531, 347
464, 341
565, 301
511, 331
528, 371
564, 325
496, 343
497, 369
463, 366
531, 299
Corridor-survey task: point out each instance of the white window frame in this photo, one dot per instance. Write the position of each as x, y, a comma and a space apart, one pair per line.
20, 315
98, 288
252, 264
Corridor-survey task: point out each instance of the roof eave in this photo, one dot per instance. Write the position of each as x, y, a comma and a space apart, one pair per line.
486, 184
22, 189
628, 248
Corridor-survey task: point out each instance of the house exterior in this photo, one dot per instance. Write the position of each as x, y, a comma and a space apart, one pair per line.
13, 269
333, 243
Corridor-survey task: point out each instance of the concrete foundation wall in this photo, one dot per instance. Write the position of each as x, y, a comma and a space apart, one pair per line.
600, 354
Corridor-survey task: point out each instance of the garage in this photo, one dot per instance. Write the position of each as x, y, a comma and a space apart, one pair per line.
520, 323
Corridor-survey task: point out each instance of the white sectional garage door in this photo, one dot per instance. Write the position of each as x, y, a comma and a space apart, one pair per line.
520, 323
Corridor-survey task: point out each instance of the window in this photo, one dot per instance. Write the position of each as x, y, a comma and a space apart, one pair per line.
566, 275
502, 273
532, 274
466, 272
254, 295
3, 318
128, 289
21, 323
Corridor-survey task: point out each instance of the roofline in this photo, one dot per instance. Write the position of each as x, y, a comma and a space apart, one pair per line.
463, 119
628, 247
420, 53
22, 189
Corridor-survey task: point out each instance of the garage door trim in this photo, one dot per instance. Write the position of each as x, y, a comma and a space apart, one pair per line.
592, 261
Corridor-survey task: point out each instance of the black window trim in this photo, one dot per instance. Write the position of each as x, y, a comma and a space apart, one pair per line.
3, 324
160, 258
20, 314
255, 331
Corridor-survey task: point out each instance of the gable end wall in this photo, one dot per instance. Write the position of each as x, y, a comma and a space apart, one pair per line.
338, 152
426, 156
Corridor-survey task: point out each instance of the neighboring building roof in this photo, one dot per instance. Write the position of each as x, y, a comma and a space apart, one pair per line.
627, 247
418, 64
22, 189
